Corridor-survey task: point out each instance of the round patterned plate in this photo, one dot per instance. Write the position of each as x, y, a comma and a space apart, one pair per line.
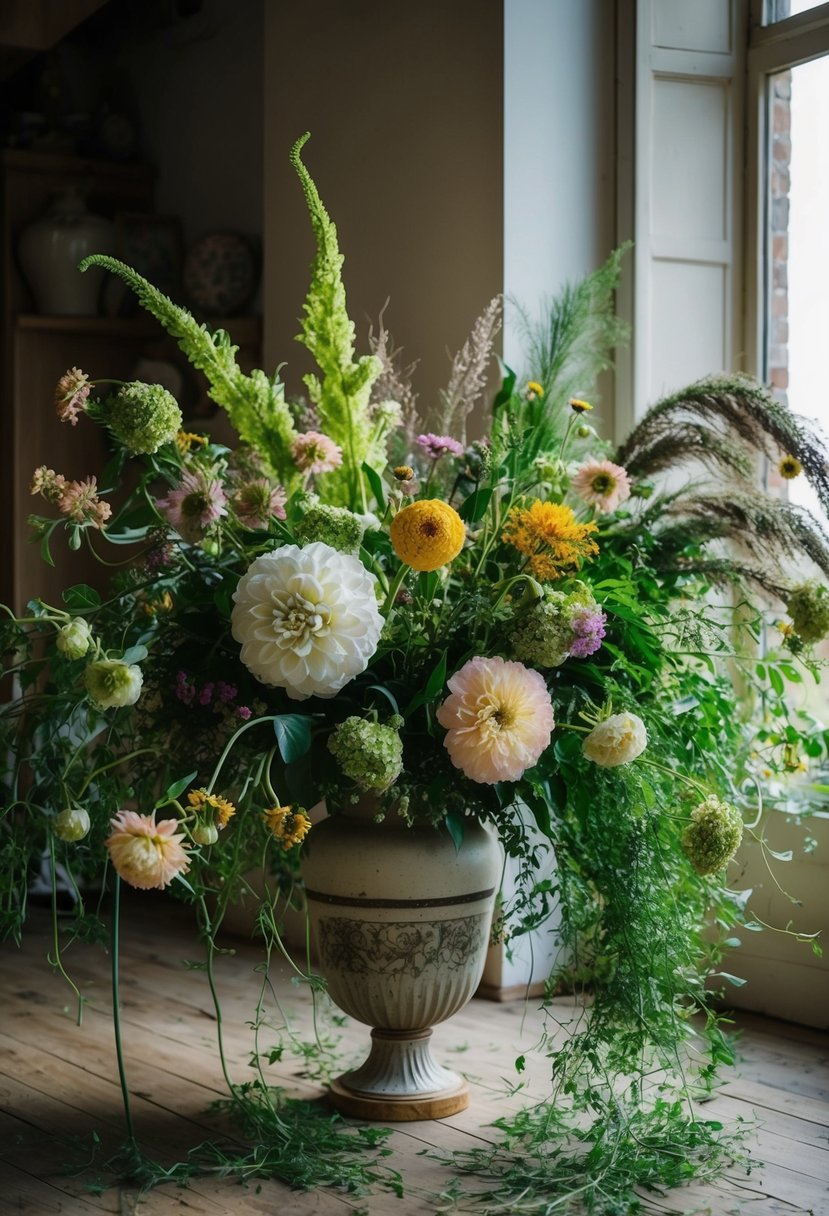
220, 273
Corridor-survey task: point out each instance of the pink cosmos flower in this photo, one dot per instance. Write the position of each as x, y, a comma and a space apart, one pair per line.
314, 452
436, 446
602, 484
196, 504
499, 719
79, 501
144, 853
256, 501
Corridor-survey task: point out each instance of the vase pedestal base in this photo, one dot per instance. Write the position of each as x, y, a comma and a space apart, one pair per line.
399, 1082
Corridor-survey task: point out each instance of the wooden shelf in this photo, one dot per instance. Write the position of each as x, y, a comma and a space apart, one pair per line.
64, 165
246, 331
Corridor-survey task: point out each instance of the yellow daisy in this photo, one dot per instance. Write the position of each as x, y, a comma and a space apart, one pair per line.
286, 825
200, 801
790, 467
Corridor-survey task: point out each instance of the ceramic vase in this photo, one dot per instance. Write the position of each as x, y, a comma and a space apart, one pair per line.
402, 921
50, 249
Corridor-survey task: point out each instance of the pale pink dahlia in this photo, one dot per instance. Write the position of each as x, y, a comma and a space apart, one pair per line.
316, 453
602, 484
196, 504
145, 853
499, 719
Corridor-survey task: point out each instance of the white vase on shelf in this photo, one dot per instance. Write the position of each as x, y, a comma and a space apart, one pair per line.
50, 249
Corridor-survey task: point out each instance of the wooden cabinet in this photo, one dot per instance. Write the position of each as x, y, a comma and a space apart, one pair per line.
37, 349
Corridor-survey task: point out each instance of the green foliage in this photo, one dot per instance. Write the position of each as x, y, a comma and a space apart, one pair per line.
255, 403
343, 391
567, 346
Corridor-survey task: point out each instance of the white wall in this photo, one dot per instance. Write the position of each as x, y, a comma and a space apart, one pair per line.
559, 163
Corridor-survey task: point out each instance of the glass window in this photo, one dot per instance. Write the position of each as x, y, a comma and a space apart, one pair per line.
797, 273
779, 10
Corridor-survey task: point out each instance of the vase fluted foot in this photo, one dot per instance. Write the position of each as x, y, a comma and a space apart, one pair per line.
400, 1081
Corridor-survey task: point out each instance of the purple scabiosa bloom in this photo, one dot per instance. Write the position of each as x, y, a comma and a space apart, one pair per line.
256, 501
196, 504
436, 446
588, 624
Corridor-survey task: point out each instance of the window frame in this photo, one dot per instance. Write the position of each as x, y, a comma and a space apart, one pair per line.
771, 48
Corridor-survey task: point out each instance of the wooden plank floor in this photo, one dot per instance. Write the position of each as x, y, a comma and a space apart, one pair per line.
58, 1082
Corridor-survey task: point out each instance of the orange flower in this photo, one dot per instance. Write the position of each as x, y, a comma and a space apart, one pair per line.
144, 853
217, 810
550, 536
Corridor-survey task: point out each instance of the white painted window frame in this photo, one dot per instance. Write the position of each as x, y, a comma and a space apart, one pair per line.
771, 49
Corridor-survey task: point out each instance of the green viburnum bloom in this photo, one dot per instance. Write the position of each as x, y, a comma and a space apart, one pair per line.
713, 835
544, 634
72, 824
74, 639
334, 526
112, 684
143, 416
808, 606
367, 752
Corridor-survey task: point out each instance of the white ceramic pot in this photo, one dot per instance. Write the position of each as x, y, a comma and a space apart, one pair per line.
402, 922
50, 249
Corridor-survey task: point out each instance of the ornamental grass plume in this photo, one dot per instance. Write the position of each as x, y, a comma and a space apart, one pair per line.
551, 537
144, 853
427, 534
713, 835
498, 719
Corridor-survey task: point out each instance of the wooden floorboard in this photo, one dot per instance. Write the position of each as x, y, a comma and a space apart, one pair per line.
58, 1085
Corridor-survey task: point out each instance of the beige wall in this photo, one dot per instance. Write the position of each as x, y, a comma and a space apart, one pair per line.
405, 105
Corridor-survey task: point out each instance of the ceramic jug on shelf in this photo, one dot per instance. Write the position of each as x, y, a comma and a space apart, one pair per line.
50, 249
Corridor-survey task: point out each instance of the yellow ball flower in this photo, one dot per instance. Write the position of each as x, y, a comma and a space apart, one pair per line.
427, 534
790, 467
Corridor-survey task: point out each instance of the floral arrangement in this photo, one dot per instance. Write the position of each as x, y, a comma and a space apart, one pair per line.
528, 628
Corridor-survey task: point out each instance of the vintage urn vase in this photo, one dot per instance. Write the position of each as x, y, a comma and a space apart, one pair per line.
402, 921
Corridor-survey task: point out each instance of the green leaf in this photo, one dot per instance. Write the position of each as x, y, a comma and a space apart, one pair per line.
784, 855
475, 506
178, 787
434, 685
454, 826
520, 1063
387, 693
374, 480
135, 654
504, 394
776, 681
293, 735
735, 980
81, 598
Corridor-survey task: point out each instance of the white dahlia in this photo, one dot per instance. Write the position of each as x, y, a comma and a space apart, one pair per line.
307, 619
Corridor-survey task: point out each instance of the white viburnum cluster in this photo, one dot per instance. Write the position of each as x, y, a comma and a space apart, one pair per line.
307, 619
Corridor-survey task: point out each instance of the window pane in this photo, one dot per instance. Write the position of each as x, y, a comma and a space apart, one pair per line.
779, 10
798, 300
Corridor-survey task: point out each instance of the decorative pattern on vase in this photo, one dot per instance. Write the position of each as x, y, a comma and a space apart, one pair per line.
416, 948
